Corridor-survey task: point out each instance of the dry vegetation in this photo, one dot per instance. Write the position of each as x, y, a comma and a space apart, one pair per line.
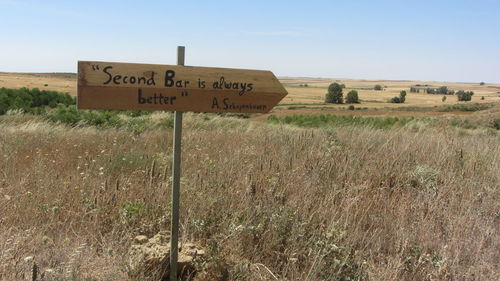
268, 202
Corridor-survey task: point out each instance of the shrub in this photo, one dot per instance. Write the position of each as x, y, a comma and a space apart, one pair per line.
352, 97
464, 95
28, 100
400, 99
402, 96
65, 114
496, 124
351, 107
482, 83
443, 99
378, 87
395, 100
334, 94
70, 115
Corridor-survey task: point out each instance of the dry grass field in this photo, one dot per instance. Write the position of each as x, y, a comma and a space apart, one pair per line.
365, 199
268, 202
62, 82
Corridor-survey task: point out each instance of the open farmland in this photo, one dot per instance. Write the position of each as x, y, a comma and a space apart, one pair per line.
311, 97
316, 89
389, 192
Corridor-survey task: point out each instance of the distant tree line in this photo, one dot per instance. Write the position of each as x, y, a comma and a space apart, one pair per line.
443, 90
31, 100
414, 90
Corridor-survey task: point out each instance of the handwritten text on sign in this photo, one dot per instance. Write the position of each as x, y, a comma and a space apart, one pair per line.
103, 85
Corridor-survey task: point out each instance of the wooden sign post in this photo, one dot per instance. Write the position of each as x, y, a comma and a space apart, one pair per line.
179, 88
176, 182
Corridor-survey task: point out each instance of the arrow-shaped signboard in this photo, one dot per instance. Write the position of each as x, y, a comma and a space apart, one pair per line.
110, 85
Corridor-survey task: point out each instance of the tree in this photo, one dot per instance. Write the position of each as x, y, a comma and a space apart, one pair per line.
402, 96
378, 88
334, 94
482, 83
352, 97
443, 90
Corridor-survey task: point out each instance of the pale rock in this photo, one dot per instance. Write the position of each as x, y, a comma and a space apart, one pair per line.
150, 258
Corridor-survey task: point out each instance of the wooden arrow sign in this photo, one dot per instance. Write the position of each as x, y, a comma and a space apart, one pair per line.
110, 85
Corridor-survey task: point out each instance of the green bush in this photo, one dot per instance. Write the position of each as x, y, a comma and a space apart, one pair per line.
31, 100
101, 118
352, 97
464, 95
68, 114
377, 87
400, 99
496, 124
395, 100
65, 114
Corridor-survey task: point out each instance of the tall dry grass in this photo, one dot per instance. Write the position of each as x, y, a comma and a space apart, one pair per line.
268, 202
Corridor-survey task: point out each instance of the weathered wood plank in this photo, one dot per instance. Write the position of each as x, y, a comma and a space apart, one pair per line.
105, 85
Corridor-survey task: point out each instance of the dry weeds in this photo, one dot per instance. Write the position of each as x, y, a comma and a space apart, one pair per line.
267, 202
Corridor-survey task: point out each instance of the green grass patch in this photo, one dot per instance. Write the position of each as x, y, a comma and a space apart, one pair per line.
465, 107
325, 120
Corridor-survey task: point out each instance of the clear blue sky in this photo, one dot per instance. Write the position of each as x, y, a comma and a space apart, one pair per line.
419, 40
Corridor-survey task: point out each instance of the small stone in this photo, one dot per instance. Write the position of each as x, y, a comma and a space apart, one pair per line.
150, 258
28, 259
141, 239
